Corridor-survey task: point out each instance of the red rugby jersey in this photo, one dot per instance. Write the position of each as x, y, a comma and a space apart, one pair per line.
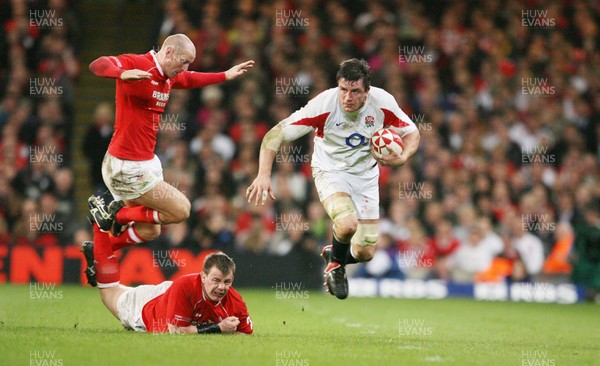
140, 103
185, 303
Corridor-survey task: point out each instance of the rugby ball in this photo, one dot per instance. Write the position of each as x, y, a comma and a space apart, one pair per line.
384, 141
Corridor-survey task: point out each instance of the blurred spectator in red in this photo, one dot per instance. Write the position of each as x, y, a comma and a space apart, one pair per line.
212, 102
443, 244
415, 258
35, 228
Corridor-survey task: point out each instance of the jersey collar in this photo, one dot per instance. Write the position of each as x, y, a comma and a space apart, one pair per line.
153, 54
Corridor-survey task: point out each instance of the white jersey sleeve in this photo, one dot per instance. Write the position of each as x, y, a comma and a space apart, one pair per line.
310, 117
394, 117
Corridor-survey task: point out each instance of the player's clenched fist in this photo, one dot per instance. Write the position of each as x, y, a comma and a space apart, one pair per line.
229, 324
135, 74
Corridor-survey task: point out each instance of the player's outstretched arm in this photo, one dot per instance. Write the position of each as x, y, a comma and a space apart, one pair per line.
192, 79
289, 129
238, 70
411, 144
261, 188
105, 67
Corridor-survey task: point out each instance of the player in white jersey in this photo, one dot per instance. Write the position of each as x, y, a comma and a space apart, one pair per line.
345, 172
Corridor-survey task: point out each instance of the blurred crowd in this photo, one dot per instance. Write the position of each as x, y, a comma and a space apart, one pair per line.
38, 70
506, 96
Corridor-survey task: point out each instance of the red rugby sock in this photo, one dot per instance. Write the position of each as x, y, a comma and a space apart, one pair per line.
138, 214
107, 264
127, 238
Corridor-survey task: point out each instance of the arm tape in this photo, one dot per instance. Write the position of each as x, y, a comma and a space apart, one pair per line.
273, 138
209, 328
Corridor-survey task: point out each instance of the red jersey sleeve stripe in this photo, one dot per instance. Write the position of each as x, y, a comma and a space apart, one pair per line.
181, 321
318, 123
105, 67
117, 61
391, 119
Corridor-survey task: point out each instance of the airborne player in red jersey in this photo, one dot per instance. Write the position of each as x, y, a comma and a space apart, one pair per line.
131, 171
198, 303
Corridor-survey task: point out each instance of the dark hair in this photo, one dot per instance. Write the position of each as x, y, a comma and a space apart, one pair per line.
354, 70
223, 262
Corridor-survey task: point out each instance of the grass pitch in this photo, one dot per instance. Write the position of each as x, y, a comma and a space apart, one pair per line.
68, 325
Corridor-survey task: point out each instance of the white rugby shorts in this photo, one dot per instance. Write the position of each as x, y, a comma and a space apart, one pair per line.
132, 301
129, 179
363, 189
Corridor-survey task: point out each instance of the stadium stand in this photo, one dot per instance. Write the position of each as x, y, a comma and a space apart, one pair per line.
507, 102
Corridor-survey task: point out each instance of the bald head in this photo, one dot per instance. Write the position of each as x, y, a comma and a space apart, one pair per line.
175, 55
179, 42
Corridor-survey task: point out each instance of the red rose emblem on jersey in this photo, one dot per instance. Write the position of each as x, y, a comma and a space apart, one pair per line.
370, 121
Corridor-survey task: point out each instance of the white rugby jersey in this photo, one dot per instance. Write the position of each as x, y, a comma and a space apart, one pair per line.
342, 138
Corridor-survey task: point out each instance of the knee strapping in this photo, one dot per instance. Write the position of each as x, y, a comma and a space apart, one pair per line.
366, 235
340, 207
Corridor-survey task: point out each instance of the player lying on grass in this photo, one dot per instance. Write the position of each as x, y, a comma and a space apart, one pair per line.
199, 303
130, 169
345, 172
